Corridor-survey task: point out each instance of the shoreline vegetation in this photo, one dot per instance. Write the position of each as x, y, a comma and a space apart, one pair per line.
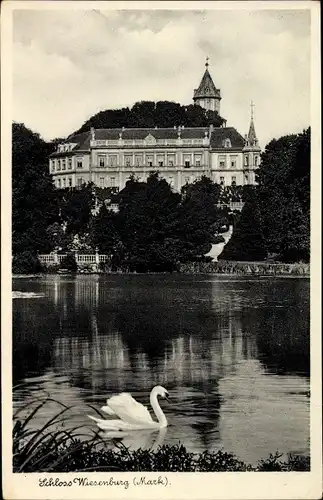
53, 448
216, 268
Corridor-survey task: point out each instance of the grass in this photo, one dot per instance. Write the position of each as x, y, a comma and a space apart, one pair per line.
51, 448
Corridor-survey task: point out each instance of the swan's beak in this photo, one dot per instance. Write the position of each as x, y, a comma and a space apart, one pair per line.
167, 398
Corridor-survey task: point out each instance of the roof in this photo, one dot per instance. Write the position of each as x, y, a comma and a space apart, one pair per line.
158, 133
206, 87
219, 135
252, 138
82, 142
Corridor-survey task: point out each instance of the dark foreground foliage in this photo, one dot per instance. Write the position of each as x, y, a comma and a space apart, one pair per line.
55, 449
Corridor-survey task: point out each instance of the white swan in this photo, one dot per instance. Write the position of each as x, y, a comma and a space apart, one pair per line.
133, 415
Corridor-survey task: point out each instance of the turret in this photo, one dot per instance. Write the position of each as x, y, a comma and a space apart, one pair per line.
251, 151
207, 95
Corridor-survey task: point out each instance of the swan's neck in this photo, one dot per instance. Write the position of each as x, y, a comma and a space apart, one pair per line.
162, 420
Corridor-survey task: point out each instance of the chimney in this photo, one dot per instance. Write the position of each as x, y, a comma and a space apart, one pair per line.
92, 131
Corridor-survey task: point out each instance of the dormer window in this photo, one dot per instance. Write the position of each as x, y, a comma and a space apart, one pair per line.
227, 143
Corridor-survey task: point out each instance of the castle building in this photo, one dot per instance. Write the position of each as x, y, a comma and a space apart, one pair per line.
109, 157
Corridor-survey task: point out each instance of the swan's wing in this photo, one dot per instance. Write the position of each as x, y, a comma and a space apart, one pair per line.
107, 410
128, 409
118, 425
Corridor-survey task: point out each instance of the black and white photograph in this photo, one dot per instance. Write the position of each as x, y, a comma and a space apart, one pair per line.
161, 256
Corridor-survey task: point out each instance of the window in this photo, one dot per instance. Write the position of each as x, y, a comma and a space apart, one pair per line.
170, 163
233, 163
187, 164
70, 163
246, 178
63, 165
70, 182
58, 183
101, 182
138, 160
113, 161
160, 163
227, 143
222, 161
79, 163
53, 165
79, 181
256, 161
222, 181
128, 161
187, 180
150, 163
246, 161
171, 181
112, 181
233, 181
58, 164
63, 182
197, 163
101, 161
198, 178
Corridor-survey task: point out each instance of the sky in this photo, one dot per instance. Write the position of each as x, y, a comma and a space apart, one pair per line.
71, 64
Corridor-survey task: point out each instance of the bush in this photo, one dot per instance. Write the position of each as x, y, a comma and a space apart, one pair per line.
25, 263
69, 262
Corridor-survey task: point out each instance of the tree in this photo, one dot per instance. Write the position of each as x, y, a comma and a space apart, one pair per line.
284, 194
147, 219
76, 205
105, 231
200, 218
34, 203
150, 114
247, 242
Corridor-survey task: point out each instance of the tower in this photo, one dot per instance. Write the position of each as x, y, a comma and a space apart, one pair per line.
251, 151
207, 95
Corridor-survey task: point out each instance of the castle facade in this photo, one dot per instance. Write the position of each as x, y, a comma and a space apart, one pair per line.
109, 157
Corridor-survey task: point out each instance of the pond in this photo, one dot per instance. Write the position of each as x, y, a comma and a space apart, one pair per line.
233, 352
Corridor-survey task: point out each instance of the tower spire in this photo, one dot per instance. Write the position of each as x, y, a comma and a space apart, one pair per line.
252, 137
252, 105
207, 62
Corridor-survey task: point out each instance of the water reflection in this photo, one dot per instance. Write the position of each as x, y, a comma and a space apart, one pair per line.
145, 439
225, 348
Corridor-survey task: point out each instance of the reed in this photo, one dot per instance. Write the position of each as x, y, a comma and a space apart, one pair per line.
51, 448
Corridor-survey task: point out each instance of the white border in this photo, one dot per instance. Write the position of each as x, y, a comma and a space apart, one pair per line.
183, 485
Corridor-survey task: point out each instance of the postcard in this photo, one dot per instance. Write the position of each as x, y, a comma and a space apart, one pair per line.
161, 250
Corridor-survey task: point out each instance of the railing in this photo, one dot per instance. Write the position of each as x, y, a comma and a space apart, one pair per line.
56, 259
234, 205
